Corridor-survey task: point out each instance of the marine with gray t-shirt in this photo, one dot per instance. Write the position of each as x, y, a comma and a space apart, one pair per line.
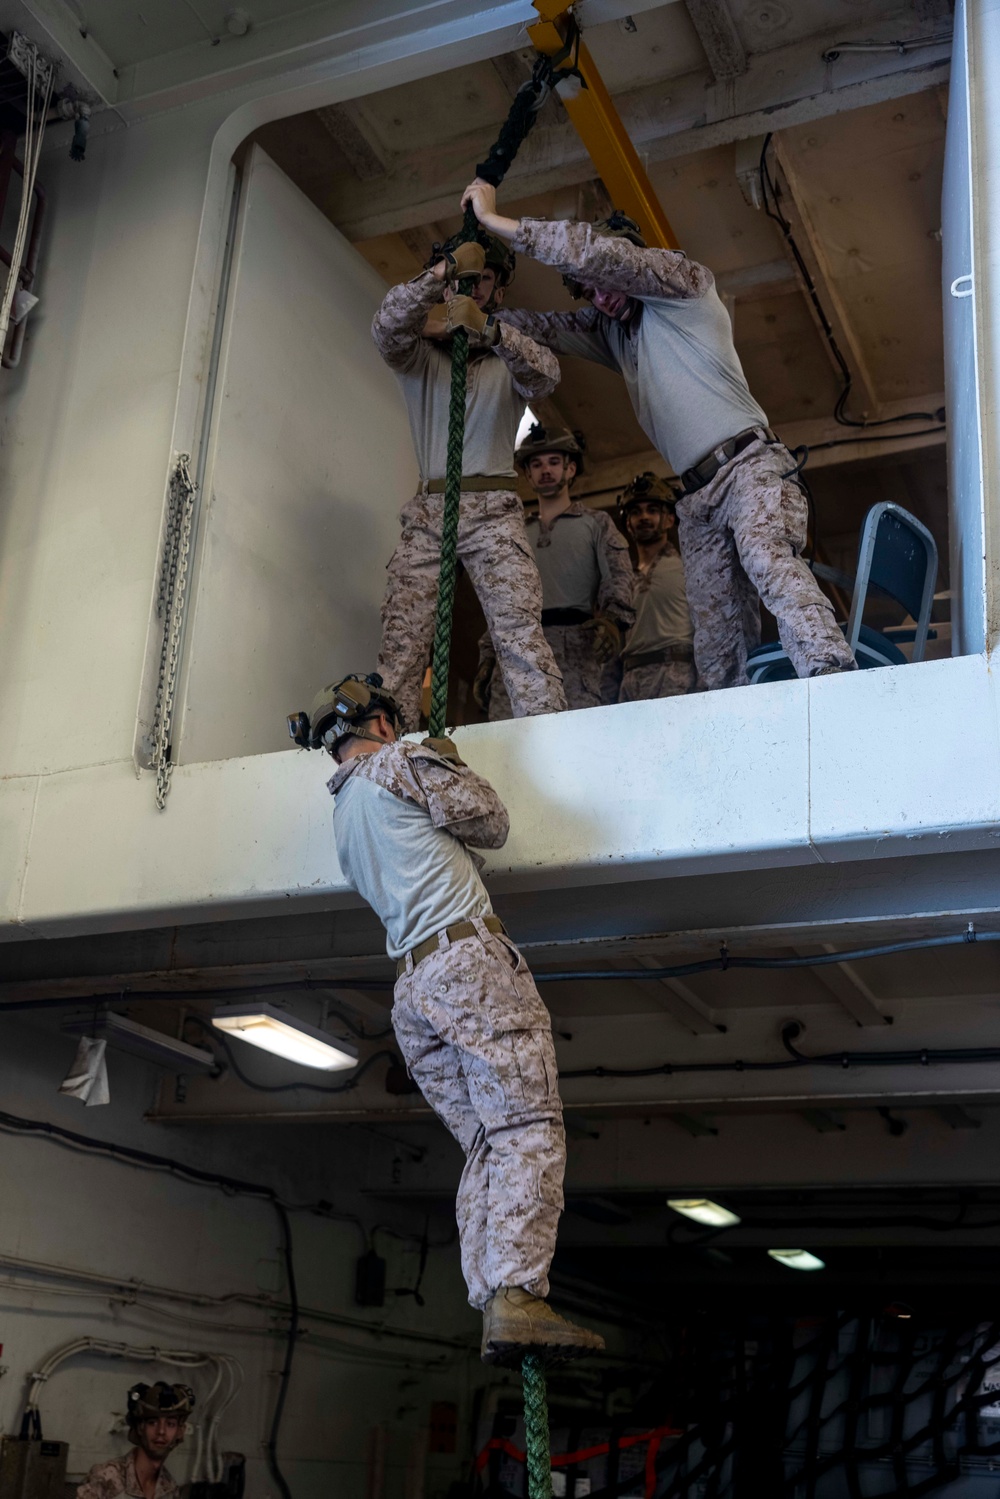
656, 317
474, 1033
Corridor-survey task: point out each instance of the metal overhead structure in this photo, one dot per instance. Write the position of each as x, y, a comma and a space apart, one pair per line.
599, 125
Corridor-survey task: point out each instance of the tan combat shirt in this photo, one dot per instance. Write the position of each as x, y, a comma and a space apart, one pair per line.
109, 1480
662, 618
500, 381
403, 817
676, 356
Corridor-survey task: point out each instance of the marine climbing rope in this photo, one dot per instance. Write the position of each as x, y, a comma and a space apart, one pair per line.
523, 112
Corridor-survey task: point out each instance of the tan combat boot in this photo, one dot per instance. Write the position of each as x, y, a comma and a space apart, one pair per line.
516, 1323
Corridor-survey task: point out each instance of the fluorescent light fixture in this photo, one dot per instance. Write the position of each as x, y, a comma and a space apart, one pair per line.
703, 1210
142, 1041
286, 1036
797, 1259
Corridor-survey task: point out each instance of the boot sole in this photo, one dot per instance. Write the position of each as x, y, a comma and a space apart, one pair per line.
511, 1353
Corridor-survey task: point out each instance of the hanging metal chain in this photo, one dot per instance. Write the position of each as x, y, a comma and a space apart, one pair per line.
170, 601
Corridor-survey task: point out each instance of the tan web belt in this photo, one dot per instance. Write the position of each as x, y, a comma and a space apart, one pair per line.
454, 934
474, 483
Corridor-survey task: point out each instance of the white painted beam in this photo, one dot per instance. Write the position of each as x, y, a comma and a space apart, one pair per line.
719, 36
751, 779
673, 117
794, 205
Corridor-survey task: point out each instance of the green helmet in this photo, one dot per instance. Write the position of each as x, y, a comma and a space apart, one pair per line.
148, 1402
647, 489
341, 709
551, 440
499, 256
618, 226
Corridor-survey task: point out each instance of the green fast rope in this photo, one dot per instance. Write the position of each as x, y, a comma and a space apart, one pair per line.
536, 1428
449, 525
523, 113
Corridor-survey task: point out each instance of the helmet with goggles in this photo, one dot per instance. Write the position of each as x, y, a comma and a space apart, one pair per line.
148, 1402
647, 489
617, 226
342, 709
551, 440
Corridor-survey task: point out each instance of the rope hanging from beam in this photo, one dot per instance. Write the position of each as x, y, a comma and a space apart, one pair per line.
523, 113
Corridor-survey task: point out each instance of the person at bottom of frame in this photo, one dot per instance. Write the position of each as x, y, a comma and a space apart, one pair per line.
658, 658
473, 1031
413, 331
586, 577
157, 1420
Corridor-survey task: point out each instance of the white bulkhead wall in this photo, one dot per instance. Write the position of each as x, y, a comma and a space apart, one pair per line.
312, 460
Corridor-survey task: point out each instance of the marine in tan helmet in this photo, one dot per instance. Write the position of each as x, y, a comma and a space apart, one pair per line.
157, 1423
473, 1031
658, 659
463, 287
656, 316
585, 570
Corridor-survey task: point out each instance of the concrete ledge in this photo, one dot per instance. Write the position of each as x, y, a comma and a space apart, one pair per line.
881, 763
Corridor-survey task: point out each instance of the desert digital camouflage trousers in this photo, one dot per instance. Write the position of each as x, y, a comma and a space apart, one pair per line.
477, 1040
494, 547
743, 535
573, 649
668, 679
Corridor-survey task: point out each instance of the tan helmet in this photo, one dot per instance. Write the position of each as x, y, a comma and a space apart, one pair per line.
341, 709
551, 440
648, 489
147, 1402
499, 256
617, 226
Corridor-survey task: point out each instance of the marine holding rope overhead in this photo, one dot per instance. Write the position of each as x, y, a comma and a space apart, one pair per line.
412, 330
157, 1421
656, 316
474, 1033
586, 576
658, 659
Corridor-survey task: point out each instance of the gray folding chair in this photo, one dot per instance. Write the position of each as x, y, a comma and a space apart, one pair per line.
897, 557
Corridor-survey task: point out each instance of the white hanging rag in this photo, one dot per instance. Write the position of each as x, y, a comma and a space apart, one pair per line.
87, 1079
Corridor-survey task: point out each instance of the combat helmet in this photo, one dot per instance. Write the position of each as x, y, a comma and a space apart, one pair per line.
147, 1402
341, 709
649, 489
551, 440
499, 255
617, 226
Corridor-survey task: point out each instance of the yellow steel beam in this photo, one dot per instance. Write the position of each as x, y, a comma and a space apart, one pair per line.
599, 126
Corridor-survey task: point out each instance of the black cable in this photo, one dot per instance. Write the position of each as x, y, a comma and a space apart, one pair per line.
583, 975
922, 1057
257, 1087
769, 192
151, 1162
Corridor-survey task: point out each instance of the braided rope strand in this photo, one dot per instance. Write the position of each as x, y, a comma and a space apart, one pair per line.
536, 1428
449, 534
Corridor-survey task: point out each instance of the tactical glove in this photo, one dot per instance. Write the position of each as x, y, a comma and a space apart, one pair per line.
482, 684
465, 260
607, 637
463, 313
446, 748
436, 322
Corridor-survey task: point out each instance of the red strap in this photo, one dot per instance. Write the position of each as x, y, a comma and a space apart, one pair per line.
584, 1454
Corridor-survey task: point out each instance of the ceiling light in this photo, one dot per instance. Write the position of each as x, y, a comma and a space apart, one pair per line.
797, 1259
703, 1210
286, 1036
142, 1041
